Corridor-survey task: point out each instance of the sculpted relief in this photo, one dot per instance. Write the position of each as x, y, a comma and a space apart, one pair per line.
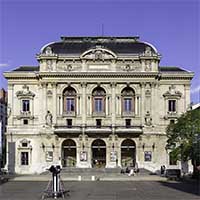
98, 54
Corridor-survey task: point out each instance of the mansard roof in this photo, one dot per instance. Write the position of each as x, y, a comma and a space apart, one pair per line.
118, 45
171, 69
26, 69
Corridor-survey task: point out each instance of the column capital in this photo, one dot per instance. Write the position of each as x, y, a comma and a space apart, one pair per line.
83, 84
113, 84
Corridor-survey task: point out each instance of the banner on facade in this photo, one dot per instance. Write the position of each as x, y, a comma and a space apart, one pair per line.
147, 156
83, 156
113, 156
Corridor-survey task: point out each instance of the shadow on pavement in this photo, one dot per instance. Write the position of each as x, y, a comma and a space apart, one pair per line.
188, 186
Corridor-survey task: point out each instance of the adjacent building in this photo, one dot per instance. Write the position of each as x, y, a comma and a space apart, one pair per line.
93, 102
3, 123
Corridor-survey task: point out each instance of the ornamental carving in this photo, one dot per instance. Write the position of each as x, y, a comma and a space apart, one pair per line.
48, 51
147, 65
172, 93
49, 65
98, 54
25, 93
148, 51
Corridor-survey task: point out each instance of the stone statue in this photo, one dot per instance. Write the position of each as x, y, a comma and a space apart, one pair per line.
148, 119
48, 118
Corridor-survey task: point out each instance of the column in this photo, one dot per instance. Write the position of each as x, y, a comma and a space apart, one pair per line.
83, 103
136, 105
44, 97
142, 102
113, 85
54, 110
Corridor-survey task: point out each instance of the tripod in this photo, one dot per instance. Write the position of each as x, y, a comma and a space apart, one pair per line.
55, 188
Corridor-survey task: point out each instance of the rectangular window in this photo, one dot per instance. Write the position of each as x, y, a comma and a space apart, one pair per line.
172, 105
127, 104
98, 105
70, 104
98, 123
24, 158
25, 121
128, 123
69, 123
25, 105
24, 144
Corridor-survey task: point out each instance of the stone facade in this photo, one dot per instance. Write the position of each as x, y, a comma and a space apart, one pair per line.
93, 102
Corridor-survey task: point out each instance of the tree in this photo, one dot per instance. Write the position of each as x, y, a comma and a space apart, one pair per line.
182, 135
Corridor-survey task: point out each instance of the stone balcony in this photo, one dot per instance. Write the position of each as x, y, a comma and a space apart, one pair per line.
63, 130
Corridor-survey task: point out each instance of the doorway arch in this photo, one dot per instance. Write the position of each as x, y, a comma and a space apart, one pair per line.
98, 153
68, 153
128, 153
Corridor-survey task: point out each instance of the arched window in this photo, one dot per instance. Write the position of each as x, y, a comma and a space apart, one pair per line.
128, 101
69, 101
98, 96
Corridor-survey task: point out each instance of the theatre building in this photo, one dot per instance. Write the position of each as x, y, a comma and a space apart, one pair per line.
93, 102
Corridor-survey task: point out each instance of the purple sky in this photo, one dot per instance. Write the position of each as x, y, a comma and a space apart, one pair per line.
173, 26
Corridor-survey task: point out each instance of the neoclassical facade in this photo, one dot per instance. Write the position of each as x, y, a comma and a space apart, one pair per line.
93, 102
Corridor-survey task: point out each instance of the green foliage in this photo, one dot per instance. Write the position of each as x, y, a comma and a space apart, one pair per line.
181, 135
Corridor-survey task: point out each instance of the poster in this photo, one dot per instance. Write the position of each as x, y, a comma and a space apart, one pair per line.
83, 156
147, 156
113, 156
49, 156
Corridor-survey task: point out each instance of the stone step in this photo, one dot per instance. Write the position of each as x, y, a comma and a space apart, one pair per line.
90, 170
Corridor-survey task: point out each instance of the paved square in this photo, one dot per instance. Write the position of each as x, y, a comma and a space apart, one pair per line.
105, 190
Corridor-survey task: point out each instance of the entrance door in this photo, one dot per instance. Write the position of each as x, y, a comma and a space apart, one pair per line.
69, 153
128, 153
99, 153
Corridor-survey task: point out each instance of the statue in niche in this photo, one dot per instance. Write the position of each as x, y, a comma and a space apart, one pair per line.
148, 119
48, 118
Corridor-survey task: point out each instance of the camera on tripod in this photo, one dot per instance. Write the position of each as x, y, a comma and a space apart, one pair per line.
55, 169
55, 188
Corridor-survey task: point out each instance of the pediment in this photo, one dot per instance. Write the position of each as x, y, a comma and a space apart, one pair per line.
25, 93
98, 53
172, 93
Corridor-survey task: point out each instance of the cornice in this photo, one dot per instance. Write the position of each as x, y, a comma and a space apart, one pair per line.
120, 74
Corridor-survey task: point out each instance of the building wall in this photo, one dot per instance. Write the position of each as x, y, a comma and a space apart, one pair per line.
44, 89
